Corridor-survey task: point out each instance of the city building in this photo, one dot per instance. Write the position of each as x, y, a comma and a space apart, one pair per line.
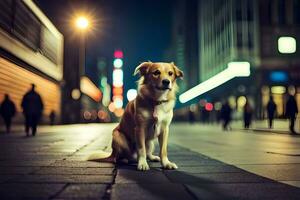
184, 46
183, 50
31, 51
262, 34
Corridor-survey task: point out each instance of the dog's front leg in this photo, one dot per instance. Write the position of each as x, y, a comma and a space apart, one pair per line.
163, 143
150, 149
141, 148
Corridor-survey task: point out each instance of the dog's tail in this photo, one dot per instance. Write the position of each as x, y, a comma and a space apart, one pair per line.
102, 156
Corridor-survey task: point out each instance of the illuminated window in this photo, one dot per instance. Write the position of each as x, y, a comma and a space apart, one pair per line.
287, 45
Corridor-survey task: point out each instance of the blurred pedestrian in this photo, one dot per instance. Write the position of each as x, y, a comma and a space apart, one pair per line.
226, 115
247, 114
271, 108
52, 117
7, 111
32, 108
291, 111
191, 117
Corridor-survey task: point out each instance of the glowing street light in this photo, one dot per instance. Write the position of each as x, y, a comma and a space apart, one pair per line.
82, 22
234, 69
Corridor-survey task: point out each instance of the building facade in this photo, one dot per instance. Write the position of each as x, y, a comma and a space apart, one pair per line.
184, 48
31, 51
251, 31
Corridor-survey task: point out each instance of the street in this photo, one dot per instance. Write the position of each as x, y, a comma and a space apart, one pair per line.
213, 164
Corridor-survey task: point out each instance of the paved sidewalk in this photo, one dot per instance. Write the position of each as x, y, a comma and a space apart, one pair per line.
51, 166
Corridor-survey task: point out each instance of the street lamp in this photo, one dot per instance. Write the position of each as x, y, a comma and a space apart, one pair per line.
82, 22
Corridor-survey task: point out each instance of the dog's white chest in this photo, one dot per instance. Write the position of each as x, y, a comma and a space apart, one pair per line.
162, 117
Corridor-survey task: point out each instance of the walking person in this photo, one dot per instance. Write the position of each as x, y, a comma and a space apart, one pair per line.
7, 111
271, 108
291, 110
52, 117
247, 114
32, 108
226, 115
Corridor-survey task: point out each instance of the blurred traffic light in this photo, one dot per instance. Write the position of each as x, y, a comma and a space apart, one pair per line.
117, 77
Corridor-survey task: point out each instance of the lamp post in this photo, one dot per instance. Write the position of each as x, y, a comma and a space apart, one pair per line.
82, 24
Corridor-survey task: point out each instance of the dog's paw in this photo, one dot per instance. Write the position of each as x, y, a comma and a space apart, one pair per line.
169, 165
154, 158
143, 165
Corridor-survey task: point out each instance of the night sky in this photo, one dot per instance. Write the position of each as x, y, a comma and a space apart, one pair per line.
142, 29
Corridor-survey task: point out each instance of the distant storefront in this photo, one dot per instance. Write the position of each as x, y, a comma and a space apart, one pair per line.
279, 83
31, 51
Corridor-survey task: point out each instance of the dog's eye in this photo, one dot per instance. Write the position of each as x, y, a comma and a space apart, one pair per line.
156, 73
170, 73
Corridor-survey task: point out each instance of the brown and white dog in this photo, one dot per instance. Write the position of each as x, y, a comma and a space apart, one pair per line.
147, 117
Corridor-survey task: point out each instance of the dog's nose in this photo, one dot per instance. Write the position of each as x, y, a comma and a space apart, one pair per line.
165, 82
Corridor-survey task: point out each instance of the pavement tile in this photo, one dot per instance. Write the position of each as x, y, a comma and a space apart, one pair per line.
77, 157
282, 172
190, 163
83, 191
42, 178
234, 177
132, 175
26, 163
4, 177
149, 191
244, 191
28, 190
208, 169
197, 162
75, 171
67, 163
188, 157
17, 170
293, 183
34, 157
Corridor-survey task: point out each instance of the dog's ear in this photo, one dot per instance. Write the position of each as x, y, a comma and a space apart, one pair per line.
142, 69
178, 72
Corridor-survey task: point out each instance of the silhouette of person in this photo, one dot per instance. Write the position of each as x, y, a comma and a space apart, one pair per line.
226, 115
32, 108
291, 111
7, 111
52, 117
247, 114
271, 108
191, 117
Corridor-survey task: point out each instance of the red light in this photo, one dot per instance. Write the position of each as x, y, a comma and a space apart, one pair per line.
209, 106
118, 54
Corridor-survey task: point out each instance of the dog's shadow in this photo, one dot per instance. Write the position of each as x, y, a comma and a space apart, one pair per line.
158, 183
197, 178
